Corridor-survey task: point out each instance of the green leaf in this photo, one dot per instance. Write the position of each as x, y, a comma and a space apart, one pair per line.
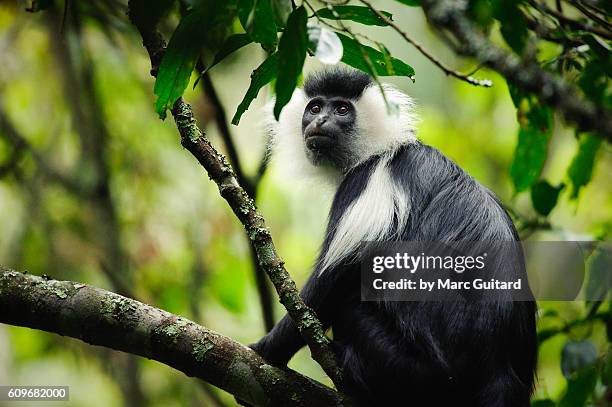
291, 56
281, 10
149, 13
543, 403
530, 153
545, 334
358, 14
38, 5
245, 8
594, 81
258, 20
513, 25
264, 74
581, 169
481, 12
355, 52
580, 388
178, 61
576, 356
411, 3
544, 197
599, 280
606, 374
517, 95
232, 44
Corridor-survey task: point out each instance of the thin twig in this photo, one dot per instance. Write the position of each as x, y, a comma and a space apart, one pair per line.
543, 8
250, 186
547, 33
527, 75
591, 15
448, 71
221, 120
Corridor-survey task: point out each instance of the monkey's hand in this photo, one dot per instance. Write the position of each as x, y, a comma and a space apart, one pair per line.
264, 350
273, 356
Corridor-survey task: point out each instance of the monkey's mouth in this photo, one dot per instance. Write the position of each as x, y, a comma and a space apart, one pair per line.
318, 141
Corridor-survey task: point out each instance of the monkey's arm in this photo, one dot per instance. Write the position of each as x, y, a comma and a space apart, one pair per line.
284, 340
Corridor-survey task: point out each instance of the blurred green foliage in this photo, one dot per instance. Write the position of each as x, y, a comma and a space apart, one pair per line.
147, 207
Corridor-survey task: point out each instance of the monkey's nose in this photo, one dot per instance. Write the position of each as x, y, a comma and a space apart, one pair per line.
320, 120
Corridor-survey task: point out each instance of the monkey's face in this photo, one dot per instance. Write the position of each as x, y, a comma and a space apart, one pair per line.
328, 127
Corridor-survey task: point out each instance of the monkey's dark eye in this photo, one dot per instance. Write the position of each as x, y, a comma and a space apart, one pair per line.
315, 109
342, 110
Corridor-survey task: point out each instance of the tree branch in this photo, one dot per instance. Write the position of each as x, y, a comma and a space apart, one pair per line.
543, 8
219, 170
450, 15
448, 71
591, 15
250, 186
103, 318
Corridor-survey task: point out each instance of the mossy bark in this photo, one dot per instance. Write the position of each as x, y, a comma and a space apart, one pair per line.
103, 318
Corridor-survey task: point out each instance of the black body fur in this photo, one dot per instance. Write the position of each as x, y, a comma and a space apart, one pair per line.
421, 353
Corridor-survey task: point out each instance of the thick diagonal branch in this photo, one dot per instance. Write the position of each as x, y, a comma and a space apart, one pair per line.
450, 15
250, 185
220, 171
103, 318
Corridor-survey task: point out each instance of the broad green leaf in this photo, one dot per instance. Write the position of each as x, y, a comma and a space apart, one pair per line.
291, 56
354, 54
257, 18
481, 12
602, 51
281, 10
245, 8
545, 334
581, 168
232, 44
576, 356
358, 14
38, 5
149, 13
599, 280
543, 403
264, 74
411, 3
580, 388
517, 95
533, 138
324, 44
513, 25
544, 197
178, 61
594, 82
606, 375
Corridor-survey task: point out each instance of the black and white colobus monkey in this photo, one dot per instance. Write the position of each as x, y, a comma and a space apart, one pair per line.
392, 187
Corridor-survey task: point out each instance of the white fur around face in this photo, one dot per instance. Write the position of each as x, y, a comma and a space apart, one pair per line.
370, 217
288, 147
381, 127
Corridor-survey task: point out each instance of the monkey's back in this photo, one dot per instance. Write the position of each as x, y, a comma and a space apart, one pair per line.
434, 353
